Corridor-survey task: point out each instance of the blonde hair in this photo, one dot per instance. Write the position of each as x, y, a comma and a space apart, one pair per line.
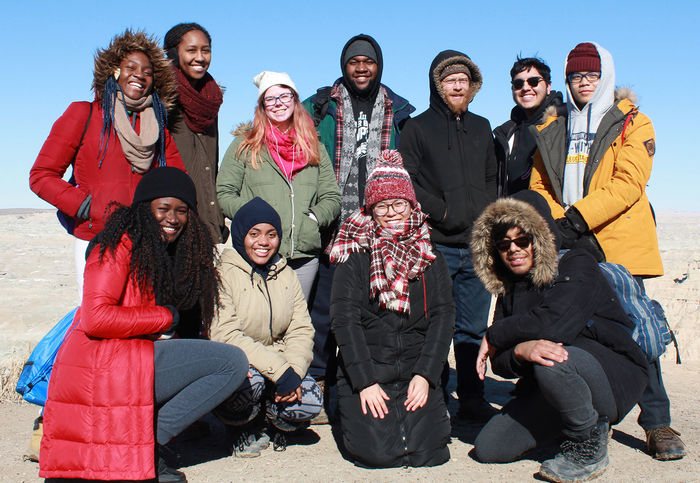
306, 135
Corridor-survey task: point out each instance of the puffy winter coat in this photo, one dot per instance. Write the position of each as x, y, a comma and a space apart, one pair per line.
615, 205
313, 189
266, 318
98, 419
113, 180
381, 346
569, 301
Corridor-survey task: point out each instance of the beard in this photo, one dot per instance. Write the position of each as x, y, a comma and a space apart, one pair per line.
457, 107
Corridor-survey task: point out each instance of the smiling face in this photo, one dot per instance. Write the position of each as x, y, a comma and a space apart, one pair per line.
361, 70
135, 75
528, 97
194, 55
392, 211
171, 215
261, 243
516, 259
279, 113
455, 88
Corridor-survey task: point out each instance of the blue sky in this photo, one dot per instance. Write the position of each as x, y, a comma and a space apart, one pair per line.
49, 48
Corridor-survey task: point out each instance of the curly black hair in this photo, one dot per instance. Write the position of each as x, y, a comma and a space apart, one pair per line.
181, 274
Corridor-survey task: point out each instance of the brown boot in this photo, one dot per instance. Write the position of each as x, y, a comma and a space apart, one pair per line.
664, 443
35, 442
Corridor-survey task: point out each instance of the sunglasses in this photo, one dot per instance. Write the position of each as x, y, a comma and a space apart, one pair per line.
532, 82
521, 242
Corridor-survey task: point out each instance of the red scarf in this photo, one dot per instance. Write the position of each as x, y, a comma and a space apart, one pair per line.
200, 106
284, 150
398, 254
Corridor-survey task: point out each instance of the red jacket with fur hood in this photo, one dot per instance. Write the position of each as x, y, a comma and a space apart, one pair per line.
113, 181
98, 419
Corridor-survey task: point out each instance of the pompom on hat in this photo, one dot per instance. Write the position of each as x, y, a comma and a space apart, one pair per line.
388, 180
583, 58
267, 79
166, 182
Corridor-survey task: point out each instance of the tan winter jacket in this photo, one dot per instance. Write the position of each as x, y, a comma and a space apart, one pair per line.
267, 319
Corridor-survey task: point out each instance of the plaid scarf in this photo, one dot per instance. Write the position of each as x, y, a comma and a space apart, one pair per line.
397, 254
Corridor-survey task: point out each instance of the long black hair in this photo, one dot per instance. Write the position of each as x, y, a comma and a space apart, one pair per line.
181, 274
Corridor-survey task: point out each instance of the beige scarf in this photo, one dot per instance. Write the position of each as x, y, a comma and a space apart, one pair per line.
138, 148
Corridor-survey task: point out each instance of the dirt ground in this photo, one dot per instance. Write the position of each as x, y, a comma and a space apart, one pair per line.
37, 287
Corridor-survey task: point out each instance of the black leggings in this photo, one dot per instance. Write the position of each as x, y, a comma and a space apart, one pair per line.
192, 377
571, 397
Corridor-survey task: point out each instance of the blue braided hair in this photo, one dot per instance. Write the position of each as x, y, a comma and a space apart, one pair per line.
108, 105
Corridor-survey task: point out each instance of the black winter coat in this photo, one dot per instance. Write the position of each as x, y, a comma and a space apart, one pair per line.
513, 172
382, 346
452, 163
579, 309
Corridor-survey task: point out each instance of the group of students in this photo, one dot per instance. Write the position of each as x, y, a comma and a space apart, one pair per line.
168, 330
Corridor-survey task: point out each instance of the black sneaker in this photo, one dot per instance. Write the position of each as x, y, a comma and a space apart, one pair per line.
167, 474
579, 460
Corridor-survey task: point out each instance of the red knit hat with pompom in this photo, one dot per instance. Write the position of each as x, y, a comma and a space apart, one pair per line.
388, 180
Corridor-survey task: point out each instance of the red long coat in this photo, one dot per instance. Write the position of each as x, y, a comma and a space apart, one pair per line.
113, 181
98, 419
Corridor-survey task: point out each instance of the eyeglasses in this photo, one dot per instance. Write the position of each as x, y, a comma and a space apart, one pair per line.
577, 77
454, 82
399, 206
285, 98
521, 242
531, 81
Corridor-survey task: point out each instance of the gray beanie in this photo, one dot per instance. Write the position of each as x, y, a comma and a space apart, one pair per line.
359, 47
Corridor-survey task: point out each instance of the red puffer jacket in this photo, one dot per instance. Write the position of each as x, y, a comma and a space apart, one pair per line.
98, 419
113, 181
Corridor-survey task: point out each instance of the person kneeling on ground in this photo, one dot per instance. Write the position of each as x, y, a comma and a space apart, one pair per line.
392, 315
263, 311
561, 330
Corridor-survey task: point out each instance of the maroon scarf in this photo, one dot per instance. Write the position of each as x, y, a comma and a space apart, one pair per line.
284, 150
397, 254
200, 106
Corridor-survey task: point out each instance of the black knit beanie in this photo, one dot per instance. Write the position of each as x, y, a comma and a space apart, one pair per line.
165, 182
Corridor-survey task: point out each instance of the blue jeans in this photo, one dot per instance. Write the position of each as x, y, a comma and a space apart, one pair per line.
472, 303
654, 404
191, 378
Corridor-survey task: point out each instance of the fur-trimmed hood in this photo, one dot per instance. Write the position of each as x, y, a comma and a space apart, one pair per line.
536, 222
108, 60
443, 59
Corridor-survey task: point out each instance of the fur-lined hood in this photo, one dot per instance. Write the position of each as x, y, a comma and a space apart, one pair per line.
108, 60
443, 59
511, 211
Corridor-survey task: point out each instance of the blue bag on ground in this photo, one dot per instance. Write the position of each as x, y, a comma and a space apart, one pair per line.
651, 331
33, 383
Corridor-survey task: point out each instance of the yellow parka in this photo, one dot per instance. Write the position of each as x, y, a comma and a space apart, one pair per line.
615, 205
267, 318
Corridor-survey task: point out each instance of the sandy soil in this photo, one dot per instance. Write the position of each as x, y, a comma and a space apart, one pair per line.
37, 287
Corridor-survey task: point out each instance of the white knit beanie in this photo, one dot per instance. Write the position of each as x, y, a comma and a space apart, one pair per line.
267, 79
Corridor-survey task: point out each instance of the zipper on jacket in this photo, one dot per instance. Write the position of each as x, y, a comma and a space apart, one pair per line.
402, 426
269, 304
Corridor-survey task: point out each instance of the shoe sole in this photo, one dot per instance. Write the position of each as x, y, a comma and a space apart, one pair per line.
556, 478
668, 456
